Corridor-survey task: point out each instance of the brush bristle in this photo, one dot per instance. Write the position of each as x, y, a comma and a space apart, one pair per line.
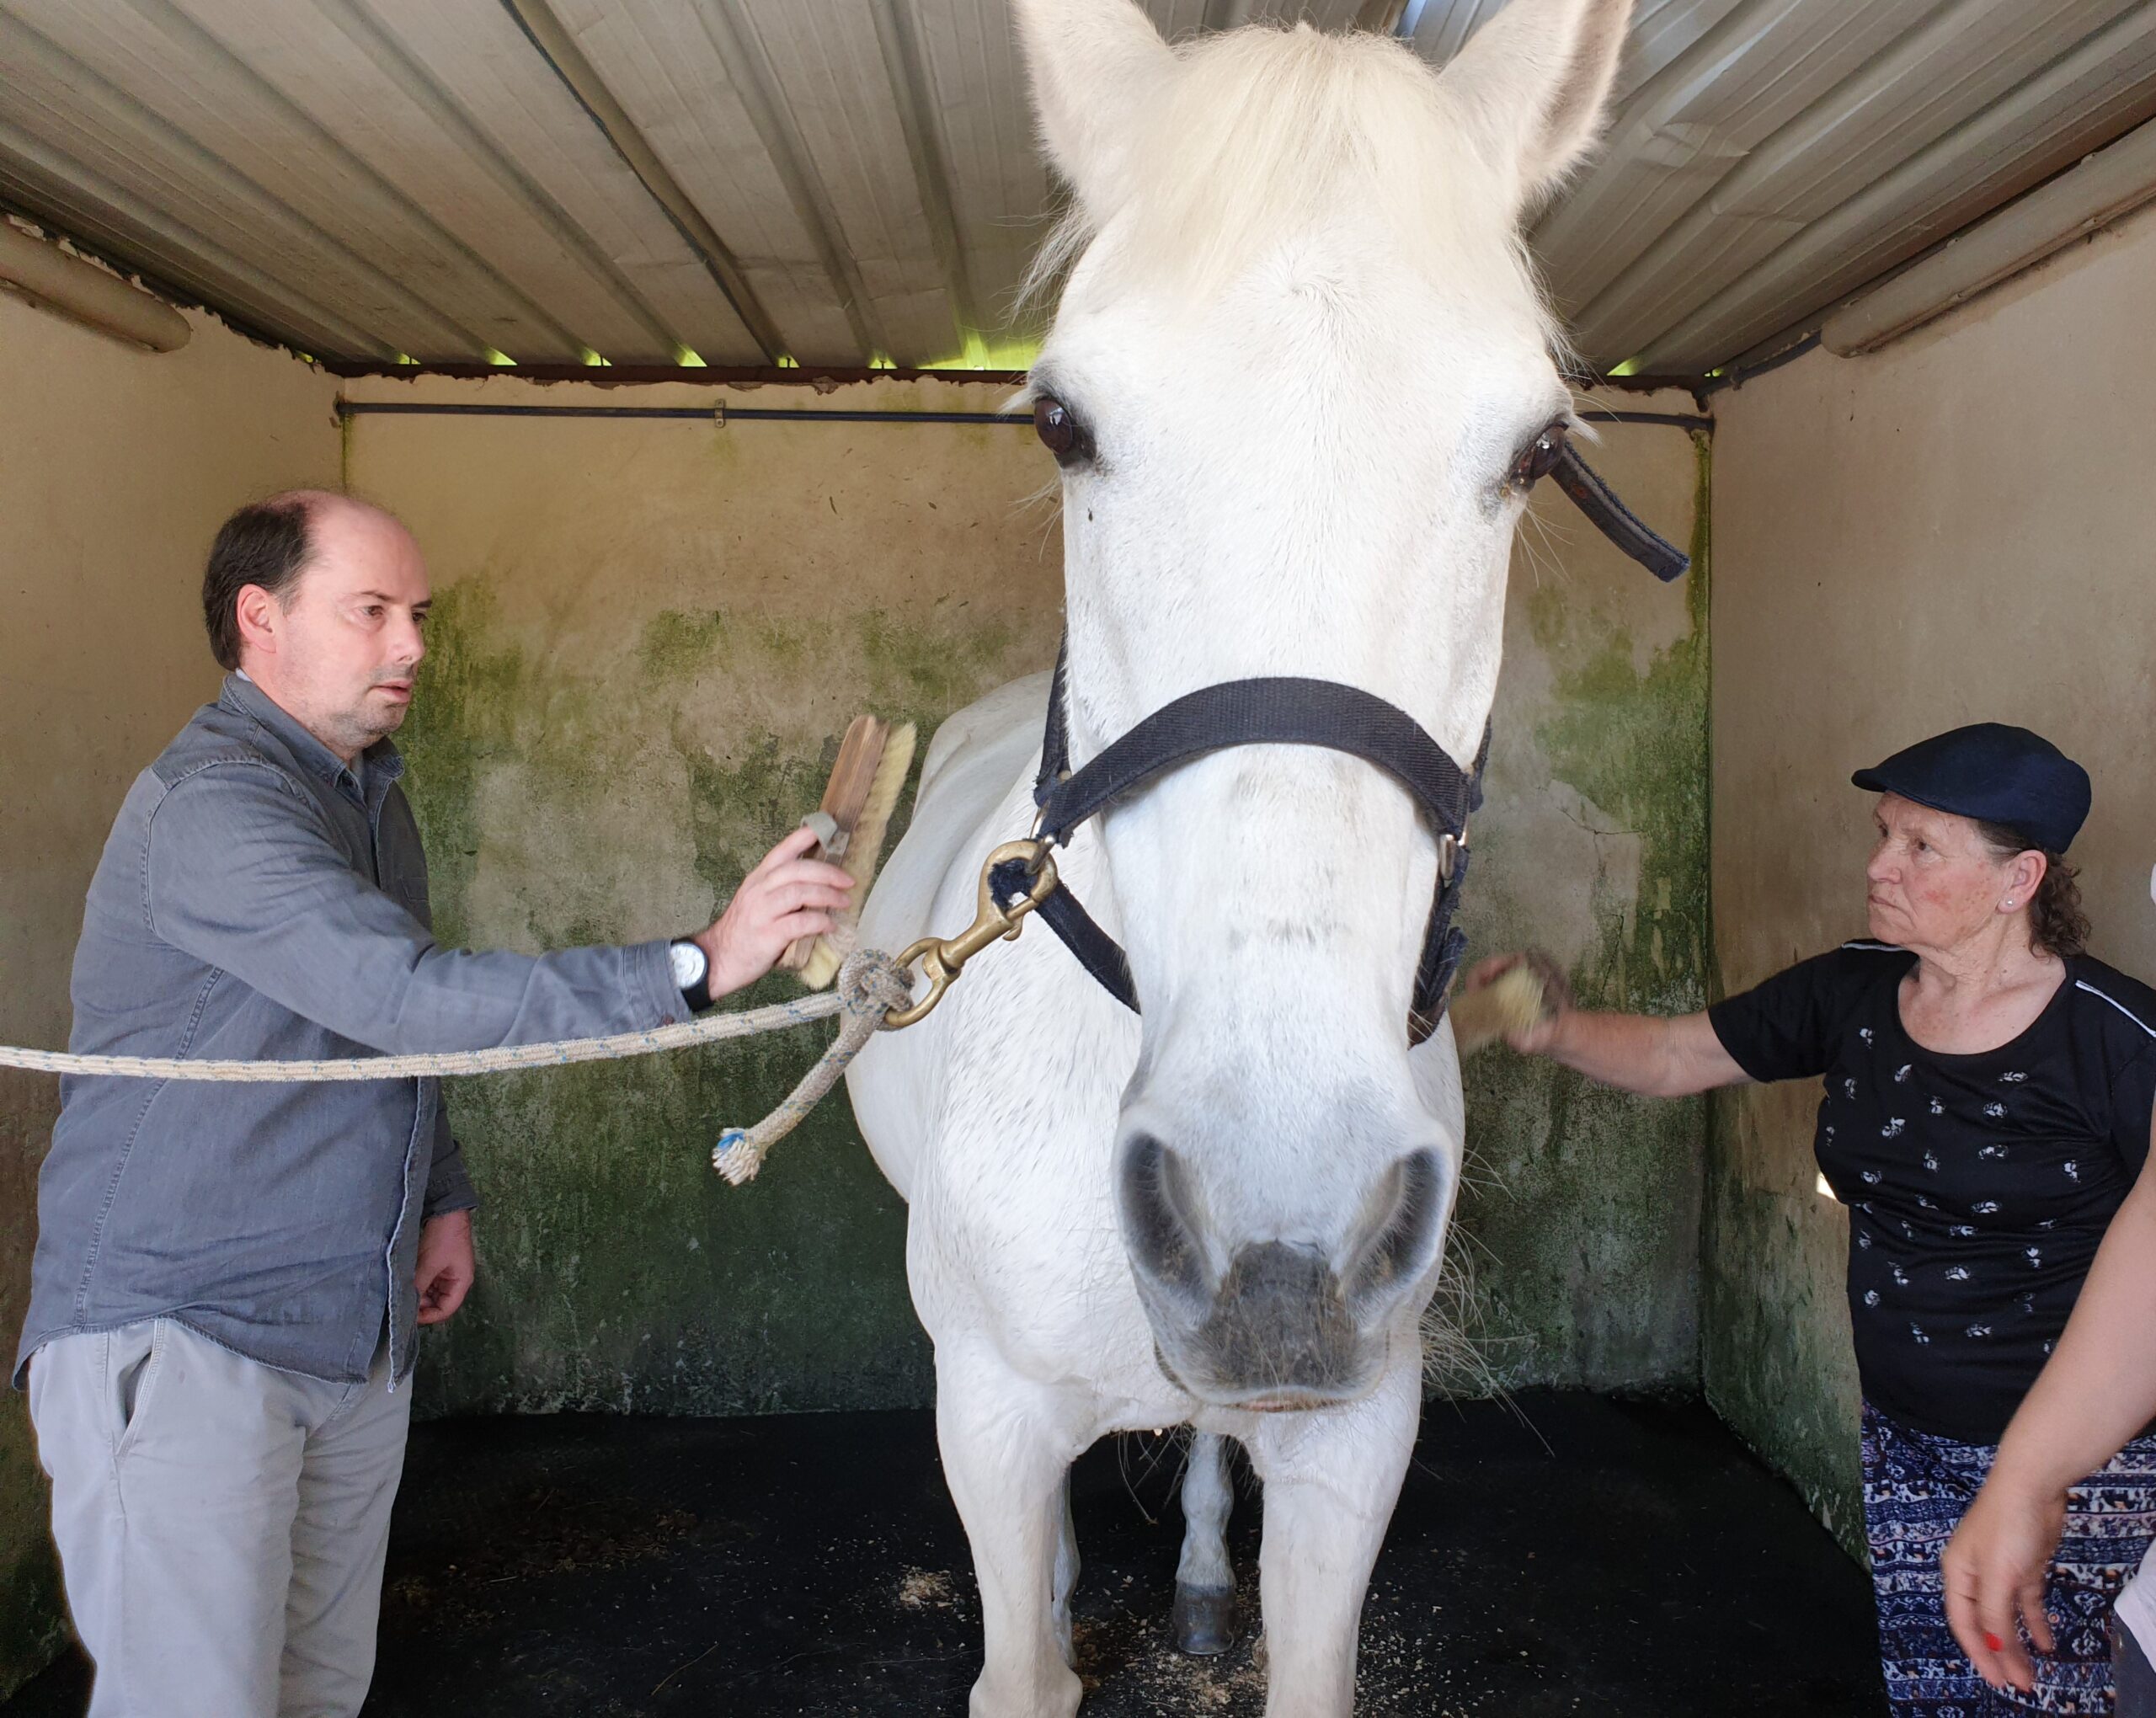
1512, 1002
828, 952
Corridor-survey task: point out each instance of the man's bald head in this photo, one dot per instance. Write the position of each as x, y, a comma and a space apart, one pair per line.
271, 542
320, 598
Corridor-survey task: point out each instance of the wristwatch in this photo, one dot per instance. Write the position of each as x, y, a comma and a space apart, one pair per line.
692, 974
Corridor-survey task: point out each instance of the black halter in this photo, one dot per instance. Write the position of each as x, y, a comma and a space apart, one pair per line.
1294, 712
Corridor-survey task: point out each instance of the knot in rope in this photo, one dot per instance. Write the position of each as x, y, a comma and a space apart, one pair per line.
870, 982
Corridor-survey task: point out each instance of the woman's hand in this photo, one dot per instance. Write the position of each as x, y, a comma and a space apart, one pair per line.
1995, 1567
1535, 1039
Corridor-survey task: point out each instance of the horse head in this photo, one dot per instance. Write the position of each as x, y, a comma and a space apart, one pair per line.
1299, 381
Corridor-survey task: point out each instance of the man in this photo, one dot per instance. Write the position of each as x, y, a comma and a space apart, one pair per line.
228, 1275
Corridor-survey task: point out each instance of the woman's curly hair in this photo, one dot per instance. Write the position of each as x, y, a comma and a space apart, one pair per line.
2056, 923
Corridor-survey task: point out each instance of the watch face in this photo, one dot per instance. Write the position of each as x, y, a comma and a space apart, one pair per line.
689, 964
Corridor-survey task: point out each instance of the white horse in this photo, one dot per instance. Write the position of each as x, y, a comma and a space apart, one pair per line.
1304, 368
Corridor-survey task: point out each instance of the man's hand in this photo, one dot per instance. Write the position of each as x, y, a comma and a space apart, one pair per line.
1557, 996
1994, 1568
785, 897
446, 1265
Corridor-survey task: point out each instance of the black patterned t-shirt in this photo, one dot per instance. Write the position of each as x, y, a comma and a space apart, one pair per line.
1978, 1186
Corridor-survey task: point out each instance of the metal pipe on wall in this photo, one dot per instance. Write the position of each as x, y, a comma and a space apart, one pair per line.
722, 414
68, 286
2112, 183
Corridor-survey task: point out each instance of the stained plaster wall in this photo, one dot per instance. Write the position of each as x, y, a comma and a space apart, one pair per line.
646, 636
1950, 530
115, 467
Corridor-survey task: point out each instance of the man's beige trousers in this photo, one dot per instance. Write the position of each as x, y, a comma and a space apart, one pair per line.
221, 1524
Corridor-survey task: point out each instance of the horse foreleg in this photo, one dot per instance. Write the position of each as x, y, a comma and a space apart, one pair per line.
1007, 1464
1066, 1578
1330, 1480
1204, 1615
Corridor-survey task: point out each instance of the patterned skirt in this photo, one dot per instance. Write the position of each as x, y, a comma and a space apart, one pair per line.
1916, 1488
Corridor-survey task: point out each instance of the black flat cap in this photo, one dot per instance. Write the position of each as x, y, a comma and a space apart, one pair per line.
1995, 774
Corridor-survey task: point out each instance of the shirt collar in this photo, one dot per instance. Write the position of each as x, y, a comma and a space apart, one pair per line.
369, 775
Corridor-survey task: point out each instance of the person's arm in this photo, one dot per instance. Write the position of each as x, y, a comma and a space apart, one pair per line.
1656, 1057
449, 1188
2095, 1395
243, 874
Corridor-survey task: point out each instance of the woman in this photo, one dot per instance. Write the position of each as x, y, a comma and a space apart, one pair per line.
1987, 1101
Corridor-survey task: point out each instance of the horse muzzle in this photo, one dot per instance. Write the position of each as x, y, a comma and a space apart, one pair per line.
1278, 1326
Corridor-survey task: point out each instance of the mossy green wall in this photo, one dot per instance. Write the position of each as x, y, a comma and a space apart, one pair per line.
648, 635
1579, 1218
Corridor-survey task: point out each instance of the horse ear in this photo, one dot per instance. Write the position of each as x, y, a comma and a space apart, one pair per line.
1535, 80
1097, 65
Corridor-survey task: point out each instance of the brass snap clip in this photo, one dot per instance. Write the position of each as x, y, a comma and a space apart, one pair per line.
943, 958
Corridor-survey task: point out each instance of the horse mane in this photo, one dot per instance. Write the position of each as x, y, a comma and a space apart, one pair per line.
1264, 131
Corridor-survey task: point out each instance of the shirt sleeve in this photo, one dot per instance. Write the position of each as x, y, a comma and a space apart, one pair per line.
449, 1188
1786, 1029
2133, 1100
242, 873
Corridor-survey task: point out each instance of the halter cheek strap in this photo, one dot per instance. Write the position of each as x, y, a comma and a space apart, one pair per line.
1627, 532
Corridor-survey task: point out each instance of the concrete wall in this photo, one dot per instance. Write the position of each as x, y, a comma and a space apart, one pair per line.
648, 634
1954, 529
115, 468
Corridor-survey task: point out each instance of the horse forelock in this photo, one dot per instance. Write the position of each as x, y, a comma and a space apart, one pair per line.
1267, 132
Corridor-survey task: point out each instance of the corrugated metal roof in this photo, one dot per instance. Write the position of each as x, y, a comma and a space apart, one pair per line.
849, 181
1787, 152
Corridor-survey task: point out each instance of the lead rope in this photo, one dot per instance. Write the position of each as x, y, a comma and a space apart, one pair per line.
870, 986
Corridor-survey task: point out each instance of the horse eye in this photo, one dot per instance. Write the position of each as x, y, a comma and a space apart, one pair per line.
1060, 430
1539, 456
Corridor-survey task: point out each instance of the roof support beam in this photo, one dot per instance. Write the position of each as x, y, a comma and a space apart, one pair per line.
903, 64
402, 67
188, 34
734, 38
560, 49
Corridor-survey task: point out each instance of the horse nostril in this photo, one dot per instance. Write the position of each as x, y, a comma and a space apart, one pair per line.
1160, 1209
1405, 1221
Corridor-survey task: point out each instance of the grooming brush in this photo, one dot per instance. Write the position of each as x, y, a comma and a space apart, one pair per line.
858, 801
1511, 1002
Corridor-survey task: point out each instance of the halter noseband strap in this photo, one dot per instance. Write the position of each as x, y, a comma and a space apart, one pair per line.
1265, 712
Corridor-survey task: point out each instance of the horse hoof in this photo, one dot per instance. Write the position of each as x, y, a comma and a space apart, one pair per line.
1205, 1620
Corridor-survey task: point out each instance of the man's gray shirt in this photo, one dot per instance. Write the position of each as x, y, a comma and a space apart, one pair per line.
259, 899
